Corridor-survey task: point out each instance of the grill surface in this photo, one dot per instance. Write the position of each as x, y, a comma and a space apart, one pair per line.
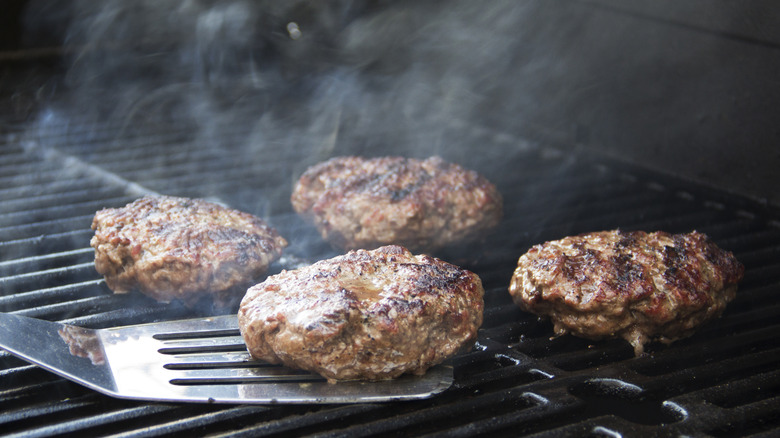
724, 381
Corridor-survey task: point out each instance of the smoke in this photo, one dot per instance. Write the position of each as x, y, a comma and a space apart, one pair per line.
411, 77
257, 91
265, 89
341, 77
241, 96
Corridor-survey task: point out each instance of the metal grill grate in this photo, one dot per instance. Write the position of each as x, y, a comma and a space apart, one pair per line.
724, 381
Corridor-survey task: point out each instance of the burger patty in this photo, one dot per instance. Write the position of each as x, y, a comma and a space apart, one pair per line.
635, 285
177, 248
364, 315
420, 204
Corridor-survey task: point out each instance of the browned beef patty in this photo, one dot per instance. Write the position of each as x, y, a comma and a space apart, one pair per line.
177, 248
364, 315
635, 285
420, 204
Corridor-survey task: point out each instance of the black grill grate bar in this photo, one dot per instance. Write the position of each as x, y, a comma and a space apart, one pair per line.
109, 143
49, 295
727, 330
181, 169
31, 281
499, 302
542, 343
24, 377
178, 153
722, 232
756, 387
740, 318
49, 401
85, 424
730, 351
497, 316
27, 413
26, 385
84, 306
103, 307
96, 307
758, 419
32, 203
46, 227
54, 187
750, 299
573, 188
674, 223
34, 171
55, 242
202, 182
32, 265
111, 153
601, 187
502, 373
206, 181
28, 264
201, 424
751, 240
559, 176
759, 256
12, 154
580, 207
122, 309
59, 211
101, 415
593, 202
629, 198
214, 165
760, 276
450, 413
56, 271
179, 147
525, 329
751, 308
174, 165
694, 379
540, 177
547, 418
314, 421
541, 230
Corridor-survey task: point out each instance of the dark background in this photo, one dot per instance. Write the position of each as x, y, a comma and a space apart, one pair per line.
686, 88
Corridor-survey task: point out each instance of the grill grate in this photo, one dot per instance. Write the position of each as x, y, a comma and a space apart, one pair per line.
721, 382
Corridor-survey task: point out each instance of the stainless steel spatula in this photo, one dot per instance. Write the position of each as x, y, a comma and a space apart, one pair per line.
194, 360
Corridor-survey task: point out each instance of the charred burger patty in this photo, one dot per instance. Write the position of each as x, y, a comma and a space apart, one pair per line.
635, 285
177, 248
420, 204
364, 315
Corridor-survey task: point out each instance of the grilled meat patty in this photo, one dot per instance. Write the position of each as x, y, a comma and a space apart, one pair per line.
635, 285
420, 204
177, 248
364, 315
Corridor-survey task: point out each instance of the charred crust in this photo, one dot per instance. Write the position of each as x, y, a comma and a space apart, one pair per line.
374, 315
627, 239
179, 248
423, 204
636, 285
627, 271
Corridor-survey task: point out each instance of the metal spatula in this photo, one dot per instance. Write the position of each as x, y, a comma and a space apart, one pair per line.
193, 360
